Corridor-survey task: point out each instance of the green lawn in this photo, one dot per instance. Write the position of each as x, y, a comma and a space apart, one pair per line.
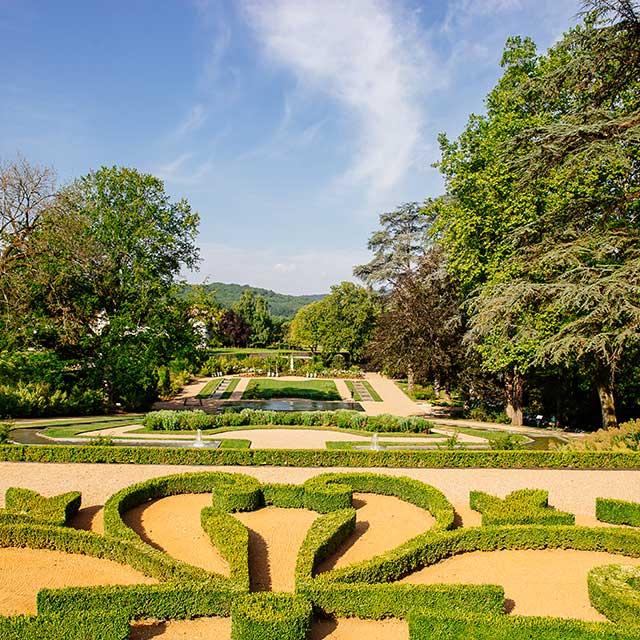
230, 389
71, 428
267, 388
488, 434
353, 445
356, 396
230, 443
420, 392
209, 389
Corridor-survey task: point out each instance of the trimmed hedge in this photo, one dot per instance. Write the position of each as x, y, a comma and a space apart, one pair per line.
618, 511
324, 537
271, 616
285, 496
238, 493
436, 459
432, 547
191, 420
329, 491
82, 626
525, 506
25, 505
438, 626
377, 601
614, 591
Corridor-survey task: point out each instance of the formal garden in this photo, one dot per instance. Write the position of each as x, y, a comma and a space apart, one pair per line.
139, 577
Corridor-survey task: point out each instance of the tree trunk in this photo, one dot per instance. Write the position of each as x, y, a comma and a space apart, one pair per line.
410, 380
607, 402
514, 391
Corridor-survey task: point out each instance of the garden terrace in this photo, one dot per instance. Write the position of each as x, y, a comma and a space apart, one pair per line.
268, 388
340, 559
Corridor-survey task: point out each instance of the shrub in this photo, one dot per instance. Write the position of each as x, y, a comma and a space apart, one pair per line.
443, 626
618, 511
287, 496
526, 506
25, 505
5, 427
271, 616
625, 437
96, 626
614, 592
190, 420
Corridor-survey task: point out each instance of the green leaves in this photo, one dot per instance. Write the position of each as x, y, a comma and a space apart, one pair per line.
24, 505
526, 506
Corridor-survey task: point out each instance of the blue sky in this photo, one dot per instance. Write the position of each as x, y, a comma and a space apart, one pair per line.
288, 124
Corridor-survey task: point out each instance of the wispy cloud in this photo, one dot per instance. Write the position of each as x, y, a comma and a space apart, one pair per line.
184, 172
367, 56
193, 121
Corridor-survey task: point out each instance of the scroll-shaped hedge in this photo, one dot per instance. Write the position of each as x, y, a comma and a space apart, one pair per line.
525, 506
324, 537
614, 590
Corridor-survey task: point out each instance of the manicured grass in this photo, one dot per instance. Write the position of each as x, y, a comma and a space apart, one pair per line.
486, 433
353, 446
230, 389
209, 389
267, 388
356, 396
230, 443
78, 429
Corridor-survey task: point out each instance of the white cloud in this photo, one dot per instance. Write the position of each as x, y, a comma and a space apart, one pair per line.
193, 121
367, 56
182, 171
293, 272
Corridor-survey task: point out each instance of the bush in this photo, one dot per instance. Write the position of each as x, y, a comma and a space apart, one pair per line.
613, 591
624, 438
190, 420
24, 505
271, 616
526, 506
5, 427
618, 512
96, 626
443, 626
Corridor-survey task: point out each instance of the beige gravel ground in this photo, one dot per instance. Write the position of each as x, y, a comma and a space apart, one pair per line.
198, 629
275, 536
551, 582
173, 525
24, 572
382, 523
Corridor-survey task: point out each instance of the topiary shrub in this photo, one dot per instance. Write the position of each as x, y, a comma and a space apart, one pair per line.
25, 505
526, 506
326, 493
270, 616
614, 590
618, 511
241, 493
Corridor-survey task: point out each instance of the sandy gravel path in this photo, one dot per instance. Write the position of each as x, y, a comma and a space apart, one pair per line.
241, 387
173, 525
25, 571
552, 582
198, 629
275, 536
343, 390
382, 523
354, 629
573, 491
394, 400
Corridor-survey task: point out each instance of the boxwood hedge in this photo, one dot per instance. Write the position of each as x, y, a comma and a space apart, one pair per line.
618, 511
437, 459
614, 592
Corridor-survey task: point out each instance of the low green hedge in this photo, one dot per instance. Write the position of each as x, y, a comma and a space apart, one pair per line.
377, 601
25, 505
239, 493
438, 459
324, 538
618, 511
614, 590
285, 496
231, 538
271, 616
85, 626
445, 626
165, 601
525, 506
432, 547
330, 491
190, 420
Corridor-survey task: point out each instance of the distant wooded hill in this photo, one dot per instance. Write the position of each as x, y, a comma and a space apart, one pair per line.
280, 304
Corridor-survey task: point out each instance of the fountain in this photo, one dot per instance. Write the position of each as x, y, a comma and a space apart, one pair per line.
199, 442
375, 445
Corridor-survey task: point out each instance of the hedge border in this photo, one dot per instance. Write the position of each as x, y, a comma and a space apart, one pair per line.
438, 459
618, 511
613, 591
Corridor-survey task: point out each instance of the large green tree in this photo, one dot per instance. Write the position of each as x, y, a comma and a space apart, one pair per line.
97, 281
